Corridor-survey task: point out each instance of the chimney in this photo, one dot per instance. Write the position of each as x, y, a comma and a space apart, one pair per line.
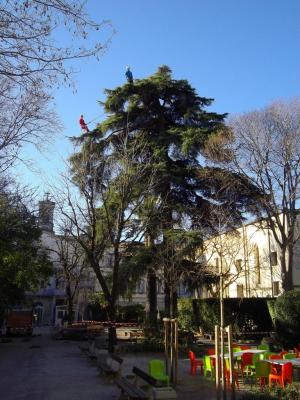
46, 211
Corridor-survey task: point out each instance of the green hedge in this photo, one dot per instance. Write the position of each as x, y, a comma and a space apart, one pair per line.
287, 318
245, 315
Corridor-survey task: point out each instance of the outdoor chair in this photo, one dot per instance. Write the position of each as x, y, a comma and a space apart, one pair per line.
195, 363
211, 351
209, 366
263, 347
289, 356
262, 371
297, 352
248, 363
235, 349
157, 371
283, 352
244, 347
266, 355
275, 356
283, 376
227, 374
238, 359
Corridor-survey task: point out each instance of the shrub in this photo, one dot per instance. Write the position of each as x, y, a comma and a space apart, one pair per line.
290, 392
131, 313
287, 318
186, 320
242, 314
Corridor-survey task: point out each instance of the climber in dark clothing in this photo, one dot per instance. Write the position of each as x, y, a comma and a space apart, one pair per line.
129, 75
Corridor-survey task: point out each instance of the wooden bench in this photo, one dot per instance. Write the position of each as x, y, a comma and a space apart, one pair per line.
139, 373
130, 389
155, 388
110, 365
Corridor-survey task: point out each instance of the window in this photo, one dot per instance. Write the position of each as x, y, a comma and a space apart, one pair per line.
276, 288
257, 264
240, 291
160, 286
273, 258
238, 265
141, 287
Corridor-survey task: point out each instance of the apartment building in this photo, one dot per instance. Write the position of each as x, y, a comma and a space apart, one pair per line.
249, 259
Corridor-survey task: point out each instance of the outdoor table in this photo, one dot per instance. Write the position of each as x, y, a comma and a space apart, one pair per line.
252, 351
237, 354
294, 361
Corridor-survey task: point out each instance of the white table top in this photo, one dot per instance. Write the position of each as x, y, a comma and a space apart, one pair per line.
253, 351
295, 361
240, 353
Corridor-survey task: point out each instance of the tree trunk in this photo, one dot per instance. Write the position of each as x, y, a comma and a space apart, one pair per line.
70, 304
152, 299
112, 332
287, 269
167, 299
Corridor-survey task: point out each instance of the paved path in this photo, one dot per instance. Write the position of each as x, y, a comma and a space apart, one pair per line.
54, 371
45, 369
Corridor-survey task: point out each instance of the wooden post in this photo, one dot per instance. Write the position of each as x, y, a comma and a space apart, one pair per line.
175, 323
166, 340
172, 350
217, 355
231, 361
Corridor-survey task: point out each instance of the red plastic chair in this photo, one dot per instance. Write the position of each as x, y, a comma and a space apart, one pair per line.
227, 374
211, 351
275, 357
283, 352
244, 347
296, 351
195, 363
246, 362
285, 375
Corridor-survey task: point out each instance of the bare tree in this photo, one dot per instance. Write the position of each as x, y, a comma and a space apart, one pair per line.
267, 151
26, 118
71, 267
34, 60
104, 217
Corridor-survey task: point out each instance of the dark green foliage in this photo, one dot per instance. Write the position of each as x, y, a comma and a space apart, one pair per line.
287, 318
246, 316
22, 262
131, 313
186, 317
178, 129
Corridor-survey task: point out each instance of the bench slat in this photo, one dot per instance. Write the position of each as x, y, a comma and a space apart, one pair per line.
132, 391
146, 377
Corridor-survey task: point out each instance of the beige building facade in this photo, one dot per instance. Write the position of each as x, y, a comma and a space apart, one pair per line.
249, 259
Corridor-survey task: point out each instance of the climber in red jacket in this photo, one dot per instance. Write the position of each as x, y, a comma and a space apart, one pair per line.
83, 125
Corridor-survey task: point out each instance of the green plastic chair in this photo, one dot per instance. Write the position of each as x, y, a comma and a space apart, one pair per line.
238, 359
263, 347
289, 356
236, 349
265, 356
157, 371
262, 371
208, 367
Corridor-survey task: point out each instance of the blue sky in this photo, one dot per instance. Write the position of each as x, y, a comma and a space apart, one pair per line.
244, 54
